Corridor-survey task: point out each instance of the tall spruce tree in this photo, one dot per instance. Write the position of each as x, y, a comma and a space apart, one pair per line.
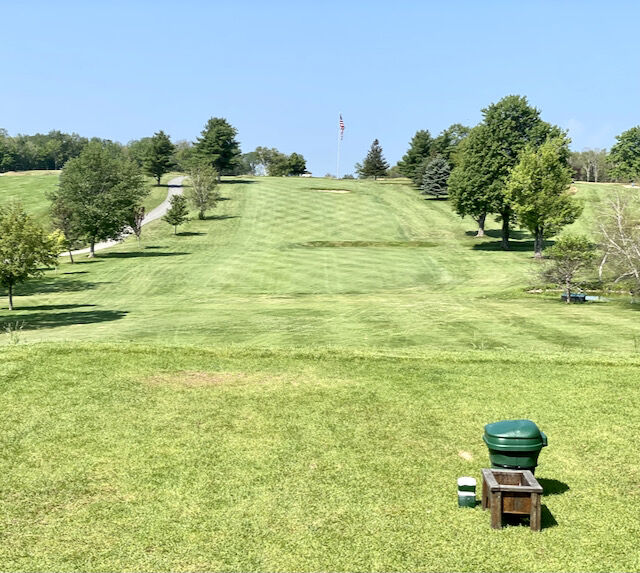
434, 180
419, 149
374, 164
159, 156
217, 145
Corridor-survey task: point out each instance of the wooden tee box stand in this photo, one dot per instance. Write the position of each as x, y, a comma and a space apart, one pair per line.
511, 491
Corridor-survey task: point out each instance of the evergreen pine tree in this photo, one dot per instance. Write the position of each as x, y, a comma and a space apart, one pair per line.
434, 179
374, 164
217, 145
158, 159
419, 149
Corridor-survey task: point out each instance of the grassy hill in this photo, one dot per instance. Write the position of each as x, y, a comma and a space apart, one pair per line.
297, 382
31, 187
284, 262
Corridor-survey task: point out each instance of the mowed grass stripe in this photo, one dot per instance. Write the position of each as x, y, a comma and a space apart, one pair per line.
243, 277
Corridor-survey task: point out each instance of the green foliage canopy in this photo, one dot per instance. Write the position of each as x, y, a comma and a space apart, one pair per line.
569, 255
537, 190
202, 193
177, 213
25, 248
99, 189
625, 155
159, 156
217, 145
419, 149
434, 180
374, 164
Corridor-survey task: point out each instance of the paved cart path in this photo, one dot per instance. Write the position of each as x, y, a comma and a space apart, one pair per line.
175, 188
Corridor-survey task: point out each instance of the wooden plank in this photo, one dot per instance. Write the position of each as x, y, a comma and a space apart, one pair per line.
491, 481
485, 492
496, 510
535, 518
518, 503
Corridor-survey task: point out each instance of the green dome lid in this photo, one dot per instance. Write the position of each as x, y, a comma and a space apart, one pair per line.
514, 435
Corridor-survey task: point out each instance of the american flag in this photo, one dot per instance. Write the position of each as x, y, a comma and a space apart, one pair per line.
341, 127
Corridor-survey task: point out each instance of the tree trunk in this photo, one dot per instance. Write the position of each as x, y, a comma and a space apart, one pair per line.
568, 287
158, 179
71, 256
175, 229
92, 249
201, 215
538, 242
480, 220
10, 296
595, 172
505, 229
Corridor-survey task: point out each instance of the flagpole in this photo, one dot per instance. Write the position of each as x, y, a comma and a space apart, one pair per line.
338, 159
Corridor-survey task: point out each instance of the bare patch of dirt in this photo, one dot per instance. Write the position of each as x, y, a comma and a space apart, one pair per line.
199, 379
465, 455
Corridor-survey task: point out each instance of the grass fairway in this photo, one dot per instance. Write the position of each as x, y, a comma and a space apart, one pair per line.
284, 263
295, 383
146, 458
31, 187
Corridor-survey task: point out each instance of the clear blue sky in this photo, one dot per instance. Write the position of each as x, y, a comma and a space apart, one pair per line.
281, 72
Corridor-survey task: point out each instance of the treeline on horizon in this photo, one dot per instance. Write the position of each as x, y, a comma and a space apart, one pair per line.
50, 151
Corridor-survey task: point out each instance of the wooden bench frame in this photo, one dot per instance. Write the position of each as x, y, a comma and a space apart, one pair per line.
511, 491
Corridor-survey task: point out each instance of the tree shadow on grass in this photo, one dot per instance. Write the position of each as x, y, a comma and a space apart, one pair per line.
141, 254
515, 246
219, 217
546, 518
37, 320
156, 247
190, 234
53, 307
553, 486
76, 273
54, 285
516, 234
237, 181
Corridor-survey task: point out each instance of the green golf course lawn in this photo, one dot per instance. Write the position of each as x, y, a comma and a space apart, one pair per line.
296, 382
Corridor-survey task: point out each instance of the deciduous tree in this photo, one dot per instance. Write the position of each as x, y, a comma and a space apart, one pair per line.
202, 194
537, 190
100, 188
625, 155
619, 229
566, 258
25, 248
508, 126
177, 213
